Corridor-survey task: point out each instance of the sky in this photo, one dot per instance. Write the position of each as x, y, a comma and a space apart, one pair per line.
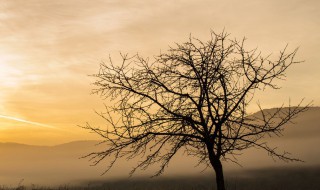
49, 49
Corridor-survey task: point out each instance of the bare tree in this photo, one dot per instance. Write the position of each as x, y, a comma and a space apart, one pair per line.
194, 97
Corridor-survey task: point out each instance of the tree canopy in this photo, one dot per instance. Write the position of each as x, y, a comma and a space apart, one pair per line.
194, 97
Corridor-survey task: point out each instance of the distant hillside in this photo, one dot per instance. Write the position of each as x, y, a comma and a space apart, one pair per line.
46, 164
61, 164
305, 124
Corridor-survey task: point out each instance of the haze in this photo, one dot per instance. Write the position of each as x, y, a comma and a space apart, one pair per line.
56, 165
48, 49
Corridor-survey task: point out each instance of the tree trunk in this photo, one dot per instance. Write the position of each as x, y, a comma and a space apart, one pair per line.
217, 166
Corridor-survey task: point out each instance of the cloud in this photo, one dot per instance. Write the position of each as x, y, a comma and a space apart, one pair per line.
48, 48
26, 121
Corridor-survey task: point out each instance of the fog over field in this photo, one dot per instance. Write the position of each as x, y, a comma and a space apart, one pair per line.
61, 164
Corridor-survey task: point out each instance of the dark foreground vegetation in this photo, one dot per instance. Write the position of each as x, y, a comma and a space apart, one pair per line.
307, 178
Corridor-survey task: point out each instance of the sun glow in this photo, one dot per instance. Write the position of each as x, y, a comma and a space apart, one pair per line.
8, 74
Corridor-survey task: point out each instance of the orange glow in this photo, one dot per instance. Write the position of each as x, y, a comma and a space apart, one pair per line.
48, 49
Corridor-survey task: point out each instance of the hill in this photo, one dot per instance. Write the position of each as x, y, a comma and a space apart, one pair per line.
61, 164
46, 164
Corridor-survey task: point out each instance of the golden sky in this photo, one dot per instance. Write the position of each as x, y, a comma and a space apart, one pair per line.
48, 49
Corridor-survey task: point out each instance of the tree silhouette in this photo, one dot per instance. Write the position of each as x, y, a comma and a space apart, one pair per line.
194, 97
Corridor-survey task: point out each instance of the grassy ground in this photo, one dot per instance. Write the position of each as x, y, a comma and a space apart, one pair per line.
265, 179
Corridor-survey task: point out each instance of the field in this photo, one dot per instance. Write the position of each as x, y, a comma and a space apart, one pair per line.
307, 178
